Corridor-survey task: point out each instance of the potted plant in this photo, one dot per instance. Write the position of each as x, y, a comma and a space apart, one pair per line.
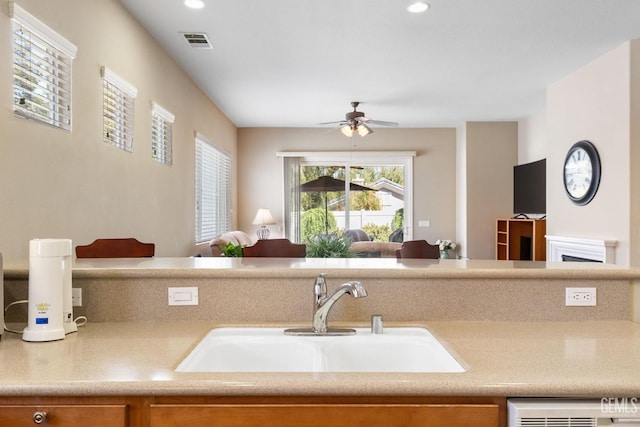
445, 246
329, 246
231, 250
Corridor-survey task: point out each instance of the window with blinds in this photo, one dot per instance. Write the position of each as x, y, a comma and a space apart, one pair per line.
117, 110
161, 135
42, 62
213, 191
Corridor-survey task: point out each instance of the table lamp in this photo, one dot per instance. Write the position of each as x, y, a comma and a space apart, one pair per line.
263, 218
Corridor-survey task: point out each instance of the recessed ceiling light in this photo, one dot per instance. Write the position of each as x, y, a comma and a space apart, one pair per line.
418, 7
194, 4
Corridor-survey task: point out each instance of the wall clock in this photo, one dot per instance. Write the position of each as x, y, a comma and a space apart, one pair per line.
582, 172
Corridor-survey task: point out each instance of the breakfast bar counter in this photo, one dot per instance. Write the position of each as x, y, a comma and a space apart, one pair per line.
223, 267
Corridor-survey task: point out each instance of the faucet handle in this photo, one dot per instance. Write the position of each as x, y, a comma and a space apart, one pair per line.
320, 286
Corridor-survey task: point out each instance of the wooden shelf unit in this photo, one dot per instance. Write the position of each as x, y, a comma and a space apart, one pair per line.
521, 239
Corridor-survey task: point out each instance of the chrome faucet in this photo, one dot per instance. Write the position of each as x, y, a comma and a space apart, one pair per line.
323, 303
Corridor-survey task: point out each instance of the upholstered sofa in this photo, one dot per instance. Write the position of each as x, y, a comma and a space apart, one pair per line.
235, 237
363, 247
368, 249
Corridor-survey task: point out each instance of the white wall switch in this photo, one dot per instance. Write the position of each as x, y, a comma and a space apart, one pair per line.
580, 296
424, 223
76, 297
183, 296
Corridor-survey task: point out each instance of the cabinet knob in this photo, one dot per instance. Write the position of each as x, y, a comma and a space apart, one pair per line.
39, 417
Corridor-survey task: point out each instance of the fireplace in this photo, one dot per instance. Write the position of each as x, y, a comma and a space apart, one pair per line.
580, 249
571, 258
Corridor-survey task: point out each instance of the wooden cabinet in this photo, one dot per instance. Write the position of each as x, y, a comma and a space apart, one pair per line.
521, 239
313, 413
63, 415
73, 411
230, 411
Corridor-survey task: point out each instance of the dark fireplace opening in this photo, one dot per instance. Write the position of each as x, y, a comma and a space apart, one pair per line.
571, 258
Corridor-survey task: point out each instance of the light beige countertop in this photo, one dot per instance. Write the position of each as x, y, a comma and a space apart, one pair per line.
582, 359
222, 267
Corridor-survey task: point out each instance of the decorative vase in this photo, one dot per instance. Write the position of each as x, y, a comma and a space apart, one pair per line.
444, 254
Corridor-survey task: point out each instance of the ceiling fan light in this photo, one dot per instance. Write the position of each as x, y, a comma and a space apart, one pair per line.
346, 131
418, 7
364, 130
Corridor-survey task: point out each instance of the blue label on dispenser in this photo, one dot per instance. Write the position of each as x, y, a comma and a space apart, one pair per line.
42, 320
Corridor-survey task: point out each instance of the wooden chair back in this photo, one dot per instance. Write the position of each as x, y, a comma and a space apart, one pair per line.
277, 248
116, 248
418, 249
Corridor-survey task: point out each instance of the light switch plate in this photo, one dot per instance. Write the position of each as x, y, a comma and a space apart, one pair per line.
183, 296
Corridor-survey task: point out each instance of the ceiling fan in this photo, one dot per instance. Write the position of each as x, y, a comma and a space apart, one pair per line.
355, 121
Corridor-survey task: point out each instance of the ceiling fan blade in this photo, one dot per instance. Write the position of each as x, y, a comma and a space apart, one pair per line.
340, 123
355, 118
380, 123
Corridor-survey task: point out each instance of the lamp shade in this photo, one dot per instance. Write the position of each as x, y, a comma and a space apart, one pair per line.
263, 217
347, 131
361, 128
364, 130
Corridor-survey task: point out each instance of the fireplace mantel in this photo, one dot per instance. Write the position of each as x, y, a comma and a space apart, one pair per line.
592, 249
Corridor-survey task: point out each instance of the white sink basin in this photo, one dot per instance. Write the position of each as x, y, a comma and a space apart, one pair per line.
269, 350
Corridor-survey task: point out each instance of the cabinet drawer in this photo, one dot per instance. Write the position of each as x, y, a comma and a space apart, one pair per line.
323, 415
64, 415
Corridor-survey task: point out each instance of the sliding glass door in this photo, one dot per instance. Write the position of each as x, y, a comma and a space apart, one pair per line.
326, 194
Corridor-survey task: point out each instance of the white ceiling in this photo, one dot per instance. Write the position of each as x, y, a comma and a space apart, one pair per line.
296, 63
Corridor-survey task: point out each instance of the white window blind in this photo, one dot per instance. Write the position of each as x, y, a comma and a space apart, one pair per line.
42, 62
161, 134
213, 191
117, 110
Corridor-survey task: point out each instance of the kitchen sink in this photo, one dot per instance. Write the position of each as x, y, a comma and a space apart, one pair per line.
409, 349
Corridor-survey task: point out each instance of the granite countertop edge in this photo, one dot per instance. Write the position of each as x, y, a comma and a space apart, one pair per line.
503, 359
239, 268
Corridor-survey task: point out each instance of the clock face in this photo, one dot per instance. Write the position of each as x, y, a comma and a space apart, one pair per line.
582, 172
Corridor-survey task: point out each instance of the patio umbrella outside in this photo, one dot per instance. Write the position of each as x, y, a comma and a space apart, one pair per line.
325, 184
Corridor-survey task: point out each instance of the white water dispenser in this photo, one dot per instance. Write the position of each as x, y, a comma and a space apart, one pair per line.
49, 277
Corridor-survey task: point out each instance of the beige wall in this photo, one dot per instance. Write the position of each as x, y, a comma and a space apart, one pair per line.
593, 103
434, 170
72, 185
634, 161
462, 230
491, 150
532, 138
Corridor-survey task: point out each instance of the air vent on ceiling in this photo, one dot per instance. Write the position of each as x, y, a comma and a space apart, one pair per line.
198, 40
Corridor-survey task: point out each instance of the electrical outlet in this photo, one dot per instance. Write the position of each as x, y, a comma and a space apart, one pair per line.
580, 296
76, 297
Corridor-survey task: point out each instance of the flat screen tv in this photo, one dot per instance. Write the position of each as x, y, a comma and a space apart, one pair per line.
530, 188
